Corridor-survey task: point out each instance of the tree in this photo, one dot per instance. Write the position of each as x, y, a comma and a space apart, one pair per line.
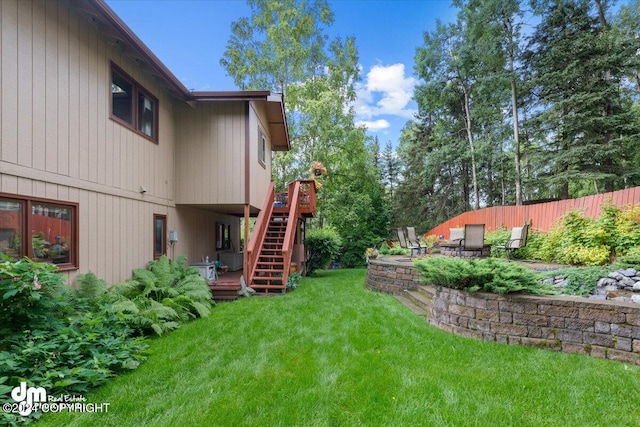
282, 43
389, 168
283, 47
584, 124
495, 33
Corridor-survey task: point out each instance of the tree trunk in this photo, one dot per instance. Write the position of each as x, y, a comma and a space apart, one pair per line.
467, 119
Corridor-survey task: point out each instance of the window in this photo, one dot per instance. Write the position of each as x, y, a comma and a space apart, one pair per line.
223, 236
43, 230
262, 148
132, 105
159, 236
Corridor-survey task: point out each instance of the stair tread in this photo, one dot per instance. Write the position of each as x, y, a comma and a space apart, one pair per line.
420, 297
411, 306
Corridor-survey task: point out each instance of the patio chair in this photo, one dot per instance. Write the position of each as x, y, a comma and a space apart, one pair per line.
473, 238
412, 239
518, 240
403, 242
456, 234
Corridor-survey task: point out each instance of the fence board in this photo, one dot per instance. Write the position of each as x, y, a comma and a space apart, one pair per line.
542, 215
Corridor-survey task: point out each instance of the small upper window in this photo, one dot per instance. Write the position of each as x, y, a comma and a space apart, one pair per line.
262, 148
122, 98
132, 105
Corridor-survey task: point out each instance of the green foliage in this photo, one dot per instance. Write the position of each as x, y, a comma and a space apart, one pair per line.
580, 280
66, 342
324, 246
485, 274
395, 250
579, 240
293, 281
31, 294
631, 259
158, 299
579, 111
90, 287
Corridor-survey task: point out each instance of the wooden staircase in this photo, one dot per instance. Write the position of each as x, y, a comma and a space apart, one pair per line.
270, 268
270, 250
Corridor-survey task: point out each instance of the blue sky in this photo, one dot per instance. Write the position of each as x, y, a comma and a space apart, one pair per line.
190, 37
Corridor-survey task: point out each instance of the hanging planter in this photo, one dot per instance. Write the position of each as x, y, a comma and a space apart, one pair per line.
318, 169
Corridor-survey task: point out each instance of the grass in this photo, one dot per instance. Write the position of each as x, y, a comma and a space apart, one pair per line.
334, 354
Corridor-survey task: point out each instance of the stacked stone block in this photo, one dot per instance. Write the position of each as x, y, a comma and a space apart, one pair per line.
604, 329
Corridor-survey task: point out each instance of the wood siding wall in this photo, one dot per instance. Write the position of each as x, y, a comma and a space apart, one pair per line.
210, 153
260, 175
58, 142
542, 215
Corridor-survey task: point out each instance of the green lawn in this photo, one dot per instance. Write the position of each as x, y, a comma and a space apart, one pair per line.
332, 353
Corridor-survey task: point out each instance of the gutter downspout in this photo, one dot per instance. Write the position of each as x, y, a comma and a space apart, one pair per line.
247, 188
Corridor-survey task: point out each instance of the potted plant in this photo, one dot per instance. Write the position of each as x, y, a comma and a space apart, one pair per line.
371, 253
222, 268
430, 242
318, 169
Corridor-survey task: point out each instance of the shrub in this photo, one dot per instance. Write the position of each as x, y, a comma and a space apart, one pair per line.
579, 240
293, 280
628, 231
395, 250
323, 245
631, 259
580, 280
52, 337
158, 299
485, 274
31, 295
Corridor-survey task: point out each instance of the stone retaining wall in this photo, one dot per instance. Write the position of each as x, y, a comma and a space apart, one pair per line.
605, 329
391, 277
454, 251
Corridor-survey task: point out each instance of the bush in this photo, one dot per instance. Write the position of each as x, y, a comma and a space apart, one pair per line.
31, 296
485, 274
395, 250
53, 338
323, 245
580, 280
158, 299
293, 280
578, 240
631, 259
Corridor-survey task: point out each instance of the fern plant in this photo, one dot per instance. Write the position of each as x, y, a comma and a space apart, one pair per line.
90, 287
156, 300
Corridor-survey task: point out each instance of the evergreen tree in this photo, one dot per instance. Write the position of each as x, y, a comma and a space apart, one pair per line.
584, 123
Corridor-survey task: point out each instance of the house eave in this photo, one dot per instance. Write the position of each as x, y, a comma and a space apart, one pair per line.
118, 33
276, 116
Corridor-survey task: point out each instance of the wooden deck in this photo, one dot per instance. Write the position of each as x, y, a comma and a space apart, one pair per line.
228, 287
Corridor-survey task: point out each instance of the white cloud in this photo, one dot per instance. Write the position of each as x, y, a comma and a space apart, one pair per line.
386, 91
374, 125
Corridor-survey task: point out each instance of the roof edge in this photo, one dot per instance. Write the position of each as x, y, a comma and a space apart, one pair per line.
130, 37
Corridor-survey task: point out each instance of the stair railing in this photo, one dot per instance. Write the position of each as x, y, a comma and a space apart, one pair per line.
259, 233
292, 224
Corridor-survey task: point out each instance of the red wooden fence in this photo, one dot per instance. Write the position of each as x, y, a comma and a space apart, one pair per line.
542, 215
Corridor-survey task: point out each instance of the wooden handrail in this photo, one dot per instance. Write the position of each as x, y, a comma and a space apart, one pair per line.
292, 223
258, 234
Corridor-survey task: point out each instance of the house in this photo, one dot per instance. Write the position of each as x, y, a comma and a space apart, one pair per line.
107, 161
